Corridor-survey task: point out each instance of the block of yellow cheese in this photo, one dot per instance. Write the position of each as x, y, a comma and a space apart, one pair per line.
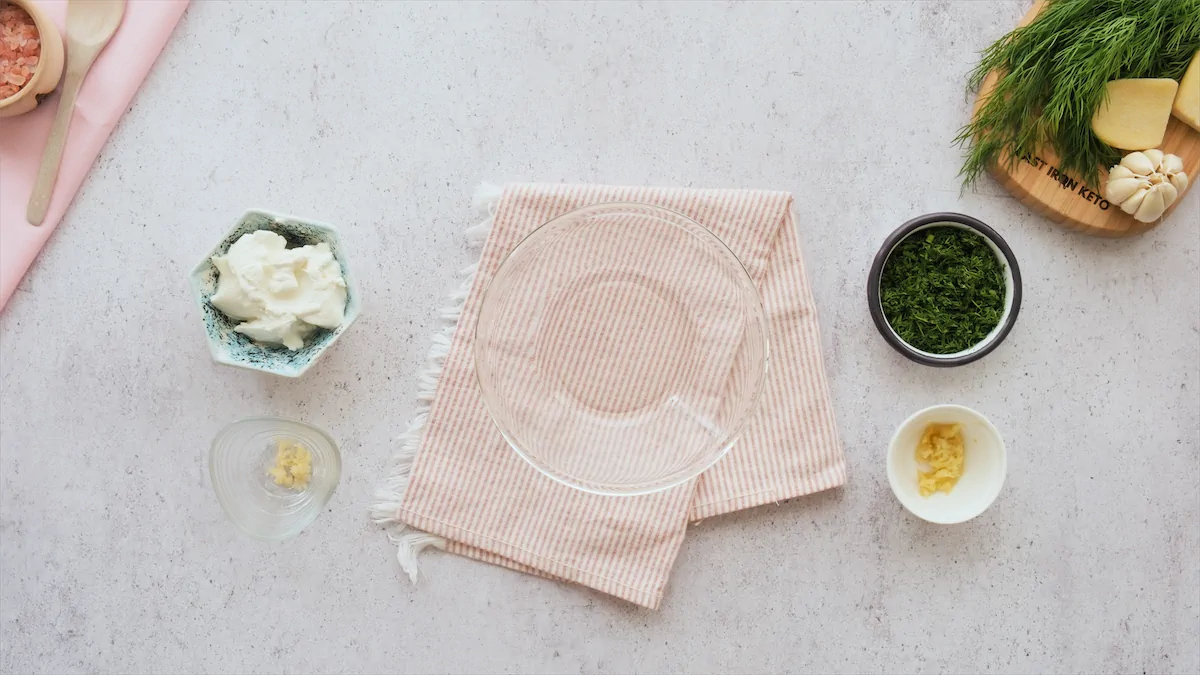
1187, 99
1135, 113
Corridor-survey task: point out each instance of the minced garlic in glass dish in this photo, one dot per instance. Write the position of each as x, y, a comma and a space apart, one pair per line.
293, 465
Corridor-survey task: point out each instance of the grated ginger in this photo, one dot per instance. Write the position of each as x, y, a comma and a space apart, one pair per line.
942, 449
293, 465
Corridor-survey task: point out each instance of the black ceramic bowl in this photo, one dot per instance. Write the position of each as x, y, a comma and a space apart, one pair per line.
1012, 278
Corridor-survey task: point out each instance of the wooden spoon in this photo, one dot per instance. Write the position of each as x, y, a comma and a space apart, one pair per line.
90, 25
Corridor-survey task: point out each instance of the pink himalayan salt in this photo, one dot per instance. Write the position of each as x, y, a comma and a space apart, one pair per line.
20, 46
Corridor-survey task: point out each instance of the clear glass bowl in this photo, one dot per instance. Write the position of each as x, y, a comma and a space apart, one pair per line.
621, 348
241, 456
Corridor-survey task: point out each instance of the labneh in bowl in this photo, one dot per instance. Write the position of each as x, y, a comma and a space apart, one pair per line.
1012, 284
232, 348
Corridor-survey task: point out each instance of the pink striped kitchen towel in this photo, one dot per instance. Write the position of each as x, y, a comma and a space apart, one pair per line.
105, 95
456, 480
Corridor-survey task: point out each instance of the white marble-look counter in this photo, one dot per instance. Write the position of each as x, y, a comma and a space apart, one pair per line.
381, 118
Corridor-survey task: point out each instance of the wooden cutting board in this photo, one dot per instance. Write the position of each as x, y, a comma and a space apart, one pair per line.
1039, 184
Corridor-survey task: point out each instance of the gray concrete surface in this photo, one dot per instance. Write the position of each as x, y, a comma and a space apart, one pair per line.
115, 557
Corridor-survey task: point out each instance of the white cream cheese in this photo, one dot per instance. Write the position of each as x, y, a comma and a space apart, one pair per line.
280, 294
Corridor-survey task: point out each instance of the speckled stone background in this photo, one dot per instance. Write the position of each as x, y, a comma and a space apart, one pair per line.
380, 118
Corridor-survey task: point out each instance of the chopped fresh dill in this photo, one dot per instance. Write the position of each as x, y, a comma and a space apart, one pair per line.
942, 289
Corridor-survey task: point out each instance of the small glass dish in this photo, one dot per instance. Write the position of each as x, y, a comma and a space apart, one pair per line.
621, 348
239, 463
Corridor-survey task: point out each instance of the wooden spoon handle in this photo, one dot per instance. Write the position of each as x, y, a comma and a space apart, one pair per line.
39, 199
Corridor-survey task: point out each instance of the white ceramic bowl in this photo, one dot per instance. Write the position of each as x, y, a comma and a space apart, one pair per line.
984, 467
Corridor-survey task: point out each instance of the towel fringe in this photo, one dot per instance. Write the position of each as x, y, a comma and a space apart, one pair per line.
386, 509
410, 545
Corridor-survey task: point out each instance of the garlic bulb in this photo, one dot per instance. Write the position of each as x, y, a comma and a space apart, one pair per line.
1146, 183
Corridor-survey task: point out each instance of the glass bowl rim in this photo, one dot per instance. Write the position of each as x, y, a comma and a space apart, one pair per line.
727, 442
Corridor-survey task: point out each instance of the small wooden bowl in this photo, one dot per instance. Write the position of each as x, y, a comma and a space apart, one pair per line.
50, 64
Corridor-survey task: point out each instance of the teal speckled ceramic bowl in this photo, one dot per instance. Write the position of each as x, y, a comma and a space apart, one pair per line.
234, 349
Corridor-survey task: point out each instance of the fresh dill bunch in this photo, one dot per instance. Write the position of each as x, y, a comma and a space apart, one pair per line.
1053, 74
